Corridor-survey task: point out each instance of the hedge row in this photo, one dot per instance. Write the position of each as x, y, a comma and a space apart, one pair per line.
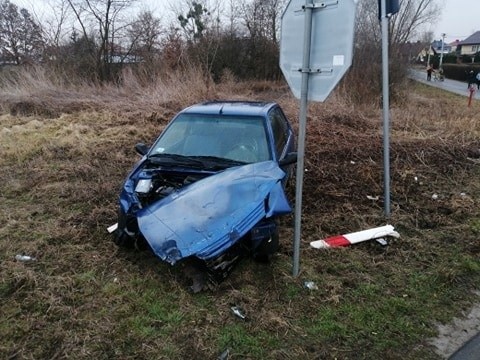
459, 71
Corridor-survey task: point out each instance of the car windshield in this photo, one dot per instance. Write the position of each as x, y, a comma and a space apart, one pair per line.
239, 138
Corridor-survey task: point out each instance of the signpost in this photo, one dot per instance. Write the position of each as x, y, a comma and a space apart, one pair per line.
386, 9
313, 67
385, 108
331, 34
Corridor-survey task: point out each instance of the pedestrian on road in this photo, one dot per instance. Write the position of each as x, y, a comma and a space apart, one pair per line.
471, 79
478, 80
429, 73
441, 76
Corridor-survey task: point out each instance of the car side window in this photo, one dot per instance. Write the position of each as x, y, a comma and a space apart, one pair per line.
280, 130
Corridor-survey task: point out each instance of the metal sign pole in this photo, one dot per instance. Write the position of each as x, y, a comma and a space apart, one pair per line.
301, 136
315, 21
386, 111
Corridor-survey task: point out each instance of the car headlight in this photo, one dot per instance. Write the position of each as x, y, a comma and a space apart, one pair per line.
143, 186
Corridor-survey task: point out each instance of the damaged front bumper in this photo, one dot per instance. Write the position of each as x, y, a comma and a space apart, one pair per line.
205, 218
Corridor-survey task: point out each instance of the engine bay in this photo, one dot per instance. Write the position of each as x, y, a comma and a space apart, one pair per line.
155, 184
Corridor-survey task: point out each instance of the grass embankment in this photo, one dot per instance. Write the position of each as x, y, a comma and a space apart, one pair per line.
66, 152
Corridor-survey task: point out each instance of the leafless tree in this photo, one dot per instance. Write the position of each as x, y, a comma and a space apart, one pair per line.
21, 38
145, 32
405, 26
173, 47
54, 24
412, 17
104, 16
262, 18
233, 18
145, 41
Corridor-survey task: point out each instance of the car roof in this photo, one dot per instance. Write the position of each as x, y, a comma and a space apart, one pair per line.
252, 108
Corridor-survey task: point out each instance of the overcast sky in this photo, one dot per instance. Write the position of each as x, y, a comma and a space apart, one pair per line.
459, 18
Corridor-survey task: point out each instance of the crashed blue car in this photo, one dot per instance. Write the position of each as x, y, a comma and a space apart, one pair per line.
209, 189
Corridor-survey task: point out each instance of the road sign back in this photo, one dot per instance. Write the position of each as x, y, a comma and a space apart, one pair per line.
331, 52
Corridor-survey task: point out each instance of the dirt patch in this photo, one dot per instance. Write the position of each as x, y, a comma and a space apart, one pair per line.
29, 108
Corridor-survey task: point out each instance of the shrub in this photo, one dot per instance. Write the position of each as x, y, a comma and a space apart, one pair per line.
459, 71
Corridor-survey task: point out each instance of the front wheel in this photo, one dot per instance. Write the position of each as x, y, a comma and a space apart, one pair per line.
122, 239
265, 251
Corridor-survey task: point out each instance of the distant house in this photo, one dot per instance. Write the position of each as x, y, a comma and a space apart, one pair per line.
125, 59
454, 45
434, 48
437, 47
469, 46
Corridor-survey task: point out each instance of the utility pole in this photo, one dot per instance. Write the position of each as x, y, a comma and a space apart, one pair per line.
441, 53
428, 55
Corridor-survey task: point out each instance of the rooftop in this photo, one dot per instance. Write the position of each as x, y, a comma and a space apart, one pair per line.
472, 39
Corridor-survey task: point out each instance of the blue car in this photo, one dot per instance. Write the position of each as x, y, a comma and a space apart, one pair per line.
208, 190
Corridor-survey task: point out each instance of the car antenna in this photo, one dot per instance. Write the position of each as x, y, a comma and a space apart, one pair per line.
221, 110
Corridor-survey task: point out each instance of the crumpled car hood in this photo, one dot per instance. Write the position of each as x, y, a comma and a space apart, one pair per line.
207, 217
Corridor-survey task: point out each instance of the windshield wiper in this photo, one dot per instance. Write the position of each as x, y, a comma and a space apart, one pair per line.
214, 162
175, 159
197, 161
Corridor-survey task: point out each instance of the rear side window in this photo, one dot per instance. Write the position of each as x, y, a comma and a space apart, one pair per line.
280, 130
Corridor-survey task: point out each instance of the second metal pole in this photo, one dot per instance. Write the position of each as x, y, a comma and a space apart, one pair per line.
386, 110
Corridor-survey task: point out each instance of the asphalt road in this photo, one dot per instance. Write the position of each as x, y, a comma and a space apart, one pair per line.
457, 87
469, 351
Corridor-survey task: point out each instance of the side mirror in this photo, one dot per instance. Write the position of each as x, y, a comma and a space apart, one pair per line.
142, 149
290, 158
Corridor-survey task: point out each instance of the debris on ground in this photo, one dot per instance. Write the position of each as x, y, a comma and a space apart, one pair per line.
224, 355
238, 312
310, 285
356, 237
24, 258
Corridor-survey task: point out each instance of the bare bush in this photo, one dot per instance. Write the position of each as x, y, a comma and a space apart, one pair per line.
37, 90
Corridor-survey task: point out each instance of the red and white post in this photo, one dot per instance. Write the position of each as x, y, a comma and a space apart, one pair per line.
356, 237
472, 91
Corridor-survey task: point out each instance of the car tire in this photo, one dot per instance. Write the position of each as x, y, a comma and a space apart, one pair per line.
265, 251
123, 240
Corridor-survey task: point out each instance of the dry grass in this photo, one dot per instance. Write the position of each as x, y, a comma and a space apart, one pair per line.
65, 155
48, 95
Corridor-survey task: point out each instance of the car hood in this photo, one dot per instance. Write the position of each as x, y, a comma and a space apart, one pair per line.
206, 218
